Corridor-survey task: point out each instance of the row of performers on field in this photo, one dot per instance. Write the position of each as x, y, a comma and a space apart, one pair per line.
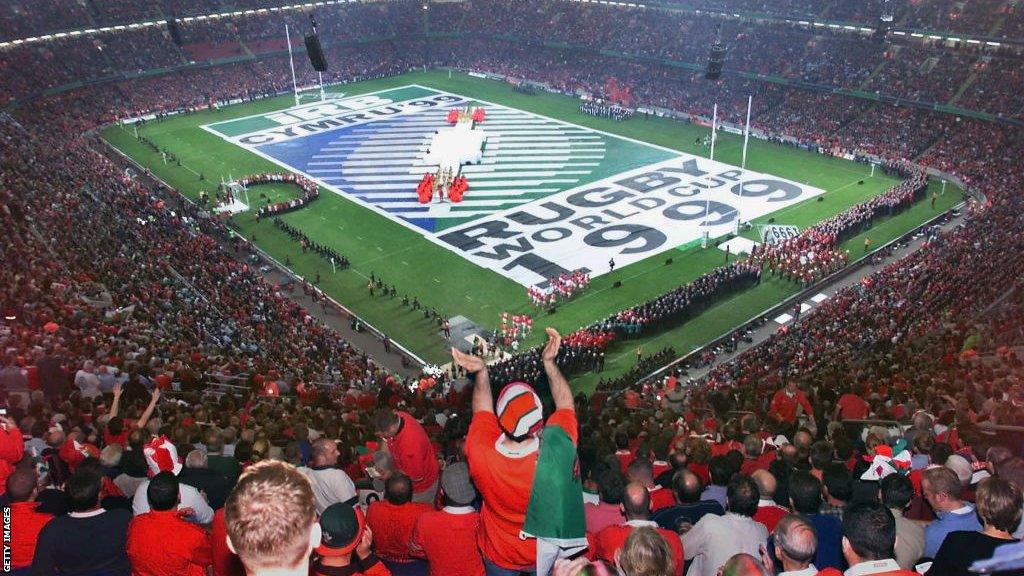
310, 192
561, 287
514, 327
805, 258
308, 245
602, 110
444, 183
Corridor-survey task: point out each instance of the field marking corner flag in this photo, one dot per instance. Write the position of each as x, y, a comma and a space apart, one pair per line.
554, 515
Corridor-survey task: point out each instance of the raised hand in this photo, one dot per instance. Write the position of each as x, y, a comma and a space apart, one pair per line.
468, 362
551, 348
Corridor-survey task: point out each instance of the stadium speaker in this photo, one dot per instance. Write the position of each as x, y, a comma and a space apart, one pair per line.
316, 53
172, 27
771, 220
821, 198
668, 261
618, 284
552, 309
715, 60
860, 182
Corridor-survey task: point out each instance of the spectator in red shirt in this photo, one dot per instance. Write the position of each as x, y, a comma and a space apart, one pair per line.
785, 402
768, 512
447, 537
118, 428
12, 448
26, 523
409, 445
225, 561
642, 472
346, 547
393, 520
636, 508
850, 406
161, 542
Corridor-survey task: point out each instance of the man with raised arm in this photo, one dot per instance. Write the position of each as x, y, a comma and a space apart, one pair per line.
503, 450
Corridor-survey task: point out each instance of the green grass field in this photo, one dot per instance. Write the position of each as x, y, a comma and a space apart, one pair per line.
455, 286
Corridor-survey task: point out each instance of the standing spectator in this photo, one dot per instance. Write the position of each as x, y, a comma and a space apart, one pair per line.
346, 546
160, 541
410, 446
787, 401
607, 511
12, 448
715, 539
53, 380
999, 506
198, 475
691, 508
87, 382
805, 498
851, 406
271, 520
795, 546
768, 512
636, 508
88, 540
393, 519
330, 484
162, 456
502, 450
941, 488
26, 522
218, 460
896, 492
869, 536
447, 538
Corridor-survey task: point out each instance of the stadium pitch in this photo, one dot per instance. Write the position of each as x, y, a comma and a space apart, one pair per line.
546, 197
541, 153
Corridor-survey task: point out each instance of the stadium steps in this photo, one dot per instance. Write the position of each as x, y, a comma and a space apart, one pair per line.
971, 78
878, 69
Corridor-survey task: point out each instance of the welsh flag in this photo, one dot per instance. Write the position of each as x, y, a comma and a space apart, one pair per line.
554, 515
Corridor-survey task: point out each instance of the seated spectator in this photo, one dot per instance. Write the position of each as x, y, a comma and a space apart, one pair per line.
645, 553
768, 512
690, 509
198, 475
162, 456
721, 471
744, 565
608, 510
160, 541
837, 489
393, 519
410, 446
896, 492
636, 508
999, 506
805, 498
346, 545
715, 539
12, 448
869, 537
89, 539
26, 522
942, 488
330, 484
271, 520
641, 471
795, 546
447, 538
